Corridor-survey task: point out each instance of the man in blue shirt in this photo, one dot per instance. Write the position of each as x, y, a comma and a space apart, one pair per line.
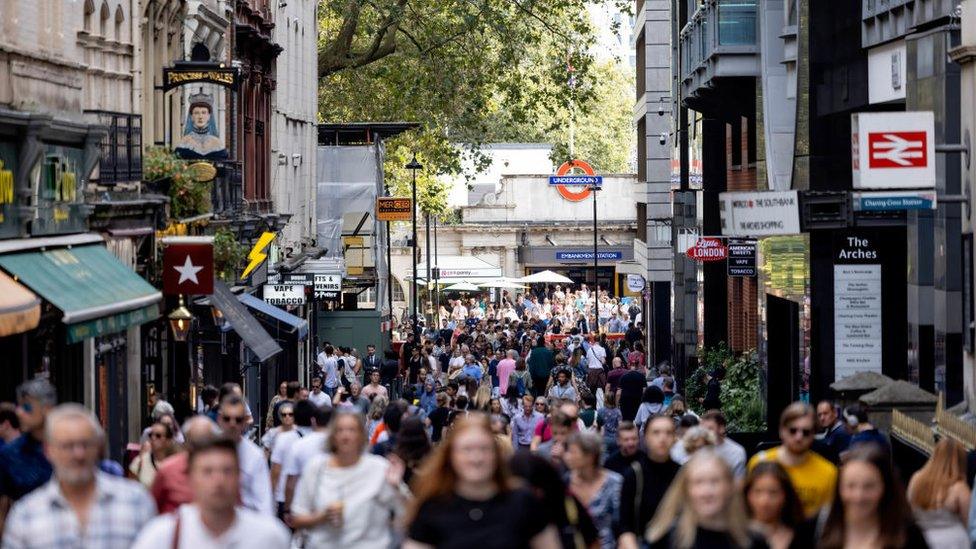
23, 466
471, 369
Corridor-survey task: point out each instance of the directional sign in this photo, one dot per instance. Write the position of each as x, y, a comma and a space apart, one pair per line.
894, 201
742, 258
328, 286
563, 179
389, 208
893, 150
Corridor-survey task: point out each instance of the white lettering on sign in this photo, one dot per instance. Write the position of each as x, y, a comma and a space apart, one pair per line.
327, 286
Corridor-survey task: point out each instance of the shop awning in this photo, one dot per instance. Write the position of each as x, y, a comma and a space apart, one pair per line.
290, 322
95, 291
247, 327
20, 309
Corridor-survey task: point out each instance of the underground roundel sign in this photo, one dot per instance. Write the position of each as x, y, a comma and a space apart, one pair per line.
708, 249
564, 180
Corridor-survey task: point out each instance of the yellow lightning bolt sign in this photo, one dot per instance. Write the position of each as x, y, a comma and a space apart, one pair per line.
257, 255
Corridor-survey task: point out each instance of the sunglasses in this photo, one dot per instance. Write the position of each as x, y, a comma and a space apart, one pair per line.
806, 432
157, 435
232, 419
27, 407
540, 404
287, 414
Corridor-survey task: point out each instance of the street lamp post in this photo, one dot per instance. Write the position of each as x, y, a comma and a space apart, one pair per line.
596, 273
413, 166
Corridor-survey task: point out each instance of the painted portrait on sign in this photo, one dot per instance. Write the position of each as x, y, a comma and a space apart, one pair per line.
201, 137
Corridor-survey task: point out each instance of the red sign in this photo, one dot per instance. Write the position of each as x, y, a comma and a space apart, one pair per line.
708, 249
897, 150
188, 268
566, 192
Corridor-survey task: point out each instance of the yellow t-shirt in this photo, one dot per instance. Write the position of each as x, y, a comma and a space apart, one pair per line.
814, 479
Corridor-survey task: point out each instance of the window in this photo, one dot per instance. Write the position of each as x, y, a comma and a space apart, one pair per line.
119, 28
103, 19
398, 290
89, 12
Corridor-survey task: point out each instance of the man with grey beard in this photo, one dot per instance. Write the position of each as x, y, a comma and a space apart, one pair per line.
80, 506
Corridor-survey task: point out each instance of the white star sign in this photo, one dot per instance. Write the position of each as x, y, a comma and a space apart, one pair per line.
188, 271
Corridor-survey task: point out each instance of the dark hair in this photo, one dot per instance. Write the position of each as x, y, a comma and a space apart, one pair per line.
304, 411
393, 416
653, 395
291, 389
8, 414
166, 427
212, 444
687, 421
209, 395
894, 513
792, 513
412, 444
539, 473
855, 412
715, 415
589, 399
328, 349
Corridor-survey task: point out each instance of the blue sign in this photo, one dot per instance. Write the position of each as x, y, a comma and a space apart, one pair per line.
587, 256
895, 203
587, 180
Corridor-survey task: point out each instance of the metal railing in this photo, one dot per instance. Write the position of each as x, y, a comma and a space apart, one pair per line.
121, 148
948, 425
912, 431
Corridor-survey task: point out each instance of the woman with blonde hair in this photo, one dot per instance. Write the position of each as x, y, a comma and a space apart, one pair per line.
939, 496
702, 509
345, 497
464, 496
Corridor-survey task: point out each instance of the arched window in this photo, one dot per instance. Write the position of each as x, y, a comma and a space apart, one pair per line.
398, 290
89, 11
103, 19
119, 27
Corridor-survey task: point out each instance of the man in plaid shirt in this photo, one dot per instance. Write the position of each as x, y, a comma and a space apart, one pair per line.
80, 506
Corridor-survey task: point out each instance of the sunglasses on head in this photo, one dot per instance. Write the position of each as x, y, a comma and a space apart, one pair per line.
232, 419
794, 430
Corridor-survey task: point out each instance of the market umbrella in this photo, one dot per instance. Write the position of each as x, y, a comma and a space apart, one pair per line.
461, 287
545, 277
502, 283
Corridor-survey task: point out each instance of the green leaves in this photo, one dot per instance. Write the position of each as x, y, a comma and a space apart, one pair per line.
741, 387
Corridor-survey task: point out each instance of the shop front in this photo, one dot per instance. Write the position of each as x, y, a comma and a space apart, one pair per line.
576, 263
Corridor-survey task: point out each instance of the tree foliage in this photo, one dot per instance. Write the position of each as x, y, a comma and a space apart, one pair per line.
470, 71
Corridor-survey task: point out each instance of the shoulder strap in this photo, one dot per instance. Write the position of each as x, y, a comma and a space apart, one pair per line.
638, 490
176, 530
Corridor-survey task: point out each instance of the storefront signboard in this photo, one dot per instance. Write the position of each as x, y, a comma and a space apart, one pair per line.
389, 208
764, 213
327, 286
635, 283
708, 249
564, 178
588, 256
886, 201
742, 258
284, 294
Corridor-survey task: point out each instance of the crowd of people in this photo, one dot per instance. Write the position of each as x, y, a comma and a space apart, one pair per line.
491, 431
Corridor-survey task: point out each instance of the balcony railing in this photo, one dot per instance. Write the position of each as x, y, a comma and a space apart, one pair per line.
121, 160
226, 195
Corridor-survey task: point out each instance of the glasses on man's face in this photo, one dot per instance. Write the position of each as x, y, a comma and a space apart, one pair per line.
232, 419
540, 404
797, 430
287, 414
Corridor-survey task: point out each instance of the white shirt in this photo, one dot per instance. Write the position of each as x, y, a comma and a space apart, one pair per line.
283, 442
300, 453
596, 356
731, 451
320, 400
367, 500
330, 370
249, 530
255, 478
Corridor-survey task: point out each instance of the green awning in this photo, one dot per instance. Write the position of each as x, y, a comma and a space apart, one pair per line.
95, 291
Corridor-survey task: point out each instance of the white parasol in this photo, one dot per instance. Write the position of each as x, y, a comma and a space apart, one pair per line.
545, 277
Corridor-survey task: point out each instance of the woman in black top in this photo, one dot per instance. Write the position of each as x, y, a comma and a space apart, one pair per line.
870, 509
703, 509
571, 518
775, 509
464, 497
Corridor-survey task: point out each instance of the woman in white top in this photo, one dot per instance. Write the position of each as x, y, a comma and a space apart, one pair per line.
344, 498
159, 447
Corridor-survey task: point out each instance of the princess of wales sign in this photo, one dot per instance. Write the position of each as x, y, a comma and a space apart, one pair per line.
564, 179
